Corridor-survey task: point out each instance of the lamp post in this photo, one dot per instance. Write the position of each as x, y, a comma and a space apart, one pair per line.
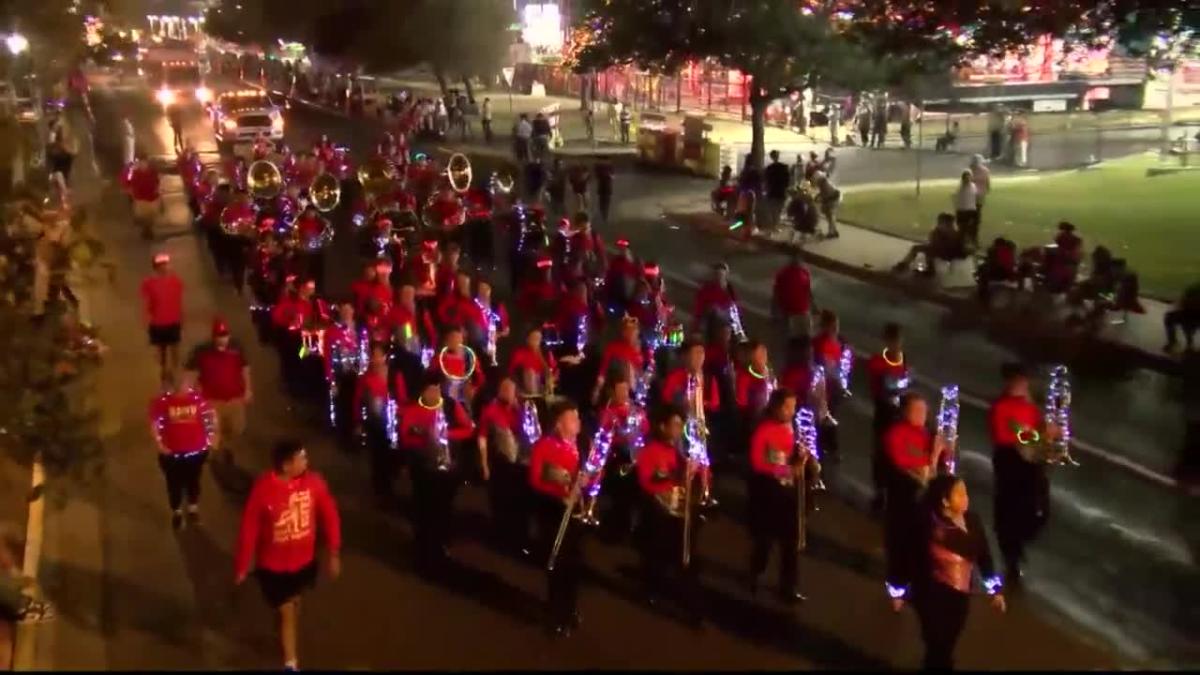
17, 44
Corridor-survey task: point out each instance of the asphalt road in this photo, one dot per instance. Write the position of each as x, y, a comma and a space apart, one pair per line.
1116, 563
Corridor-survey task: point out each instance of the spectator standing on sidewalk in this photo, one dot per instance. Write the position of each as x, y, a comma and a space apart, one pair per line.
441, 118
1020, 140
485, 117
862, 118
828, 199
966, 213
604, 187
279, 536
579, 177
184, 427
981, 176
541, 136
175, 118
995, 132
223, 374
1185, 317
908, 114
879, 122
791, 299
625, 118
835, 124
522, 136
799, 172
777, 178
162, 301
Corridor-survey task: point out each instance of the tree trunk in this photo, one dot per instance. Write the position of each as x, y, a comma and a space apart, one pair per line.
441, 80
469, 89
758, 126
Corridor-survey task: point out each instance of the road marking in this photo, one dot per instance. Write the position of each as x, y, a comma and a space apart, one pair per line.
973, 400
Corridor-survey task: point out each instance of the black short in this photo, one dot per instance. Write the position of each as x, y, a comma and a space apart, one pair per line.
280, 587
164, 336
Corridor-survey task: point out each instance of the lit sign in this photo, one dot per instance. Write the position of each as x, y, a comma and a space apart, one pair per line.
542, 26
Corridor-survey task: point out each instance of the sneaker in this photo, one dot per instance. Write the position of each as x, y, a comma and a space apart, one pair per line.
37, 611
177, 520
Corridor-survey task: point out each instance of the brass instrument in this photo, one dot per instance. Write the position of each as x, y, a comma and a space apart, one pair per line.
802, 506
502, 183
376, 175
264, 180
585, 491
1058, 412
240, 219
325, 192
458, 172
688, 477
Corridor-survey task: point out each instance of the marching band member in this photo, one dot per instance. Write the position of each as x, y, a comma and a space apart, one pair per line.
293, 315
223, 374
410, 330
237, 247
425, 269
623, 355
538, 290
533, 368
887, 373
458, 308
661, 477
952, 545
828, 350
184, 427
772, 496
447, 270
912, 455
576, 312
374, 284
210, 221
430, 428
504, 463
554, 464
754, 384
1022, 487
716, 302
628, 423
376, 404
310, 226
344, 363
492, 310
459, 368
675, 385
621, 279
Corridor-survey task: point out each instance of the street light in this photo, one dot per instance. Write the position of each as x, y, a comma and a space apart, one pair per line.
16, 43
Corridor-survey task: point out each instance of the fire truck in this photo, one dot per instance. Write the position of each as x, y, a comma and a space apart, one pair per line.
176, 75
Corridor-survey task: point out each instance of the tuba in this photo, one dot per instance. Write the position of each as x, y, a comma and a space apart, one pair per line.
240, 219
376, 176
458, 172
501, 183
264, 180
325, 192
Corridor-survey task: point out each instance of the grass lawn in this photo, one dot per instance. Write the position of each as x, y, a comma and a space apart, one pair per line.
1152, 222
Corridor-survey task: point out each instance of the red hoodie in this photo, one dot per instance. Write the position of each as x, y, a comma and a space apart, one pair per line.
279, 525
143, 184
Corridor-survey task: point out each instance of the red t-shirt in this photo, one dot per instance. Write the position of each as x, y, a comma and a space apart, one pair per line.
162, 297
1010, 414
908, 447
553, 464
143, 184
498, 415
220, 371
455, 310
622, 354
798, 378
750, 389
279, 525
674, 390
712, 296
416, 425
827, 348
371, 392
657, 467
771, 448
185, 422
523, 358
879, 368
793, 290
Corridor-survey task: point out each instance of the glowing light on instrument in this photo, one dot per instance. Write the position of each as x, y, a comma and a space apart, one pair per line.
531, 426
735, 320
1058, 411
992, 584
391, 421
442, 462
593, 470
947, 423
896, 592
845, 364
492, 318
581, 333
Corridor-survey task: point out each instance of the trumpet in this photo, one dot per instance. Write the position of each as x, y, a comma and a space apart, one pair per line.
947, 424
1057, 410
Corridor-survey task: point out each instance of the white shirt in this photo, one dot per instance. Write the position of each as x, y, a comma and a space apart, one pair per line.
524, 129
982, 178
487, 110
964, 198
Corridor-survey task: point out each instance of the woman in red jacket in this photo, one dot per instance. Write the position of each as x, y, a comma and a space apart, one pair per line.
279, 533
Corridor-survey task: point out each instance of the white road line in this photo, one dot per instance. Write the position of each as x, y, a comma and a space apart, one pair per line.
975, 401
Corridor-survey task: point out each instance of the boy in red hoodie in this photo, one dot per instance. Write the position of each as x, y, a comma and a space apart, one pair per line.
279, 532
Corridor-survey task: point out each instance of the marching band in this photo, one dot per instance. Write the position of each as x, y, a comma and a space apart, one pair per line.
417, 367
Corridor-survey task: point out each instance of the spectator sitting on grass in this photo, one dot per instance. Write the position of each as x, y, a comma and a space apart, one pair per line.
945, 243
1186, 316
999, 264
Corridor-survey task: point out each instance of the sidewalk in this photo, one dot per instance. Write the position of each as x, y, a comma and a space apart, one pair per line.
869, 255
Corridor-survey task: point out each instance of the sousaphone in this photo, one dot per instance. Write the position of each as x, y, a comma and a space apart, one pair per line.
264, 180
458, 172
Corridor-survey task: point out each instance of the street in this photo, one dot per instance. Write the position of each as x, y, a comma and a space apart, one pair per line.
1112, 581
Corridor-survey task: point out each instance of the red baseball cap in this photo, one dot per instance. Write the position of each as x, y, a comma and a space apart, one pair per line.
161, 258
219, 327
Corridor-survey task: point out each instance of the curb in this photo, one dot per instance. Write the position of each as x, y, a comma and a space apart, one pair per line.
25, 639
923, 291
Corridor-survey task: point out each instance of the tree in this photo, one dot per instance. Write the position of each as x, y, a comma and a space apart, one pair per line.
54, 29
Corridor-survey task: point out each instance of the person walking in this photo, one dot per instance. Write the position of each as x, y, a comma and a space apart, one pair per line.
522, 137
175, 119
791, 298
828, 199
625, 119
184, 427
162, 304
221, 370
950, 544
554, 467
835, 124
1020, 140
981, 176
879, 122
604, 187
128, 143
863, 118
278, 536
143, 186
485, 116
777, 178
578, 176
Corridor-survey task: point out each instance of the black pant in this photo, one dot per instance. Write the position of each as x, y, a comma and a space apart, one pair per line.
773, 513
900, 524
288, 343
864, 134
183, 477
968, 226
481, 247
508, 494
604, 202
562, 582
487, 131
343, 403
622, 489
995, 144
177, 137
433, 501
236, 253
885, 415
942, 612
382, 456
1022, 502
313, 264
660, 547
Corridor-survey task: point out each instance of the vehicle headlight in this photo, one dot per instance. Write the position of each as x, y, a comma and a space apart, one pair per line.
277, 122
230, 125
204, 94
165, 96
